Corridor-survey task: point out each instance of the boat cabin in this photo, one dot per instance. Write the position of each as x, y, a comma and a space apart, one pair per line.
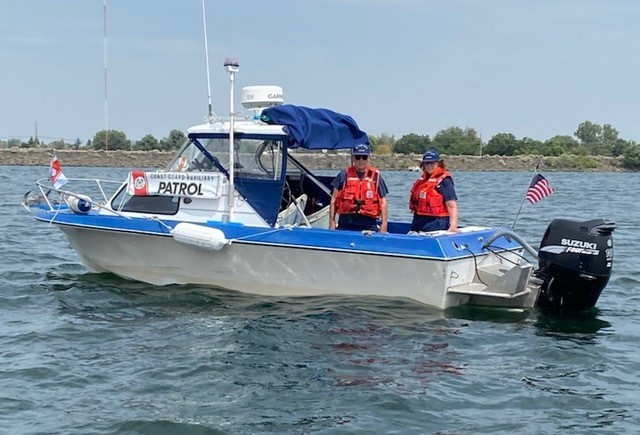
268, 185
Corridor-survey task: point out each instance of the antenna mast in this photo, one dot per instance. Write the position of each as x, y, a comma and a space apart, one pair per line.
232, 66
106, 105
206, 57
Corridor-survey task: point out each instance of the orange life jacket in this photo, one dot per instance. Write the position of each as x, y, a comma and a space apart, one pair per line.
425, 199
360, 196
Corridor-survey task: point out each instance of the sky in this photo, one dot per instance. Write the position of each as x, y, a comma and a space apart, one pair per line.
531, 68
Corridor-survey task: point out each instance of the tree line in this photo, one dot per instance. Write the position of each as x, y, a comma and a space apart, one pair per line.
590, 139
105, 140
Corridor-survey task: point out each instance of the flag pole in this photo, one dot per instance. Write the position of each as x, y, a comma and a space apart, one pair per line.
524, 197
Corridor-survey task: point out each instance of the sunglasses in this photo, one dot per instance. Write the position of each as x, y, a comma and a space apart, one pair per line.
361, 157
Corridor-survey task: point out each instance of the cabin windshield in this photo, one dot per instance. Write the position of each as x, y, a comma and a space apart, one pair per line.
253, 157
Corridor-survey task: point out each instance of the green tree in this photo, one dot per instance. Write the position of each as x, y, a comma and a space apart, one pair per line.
172, 142
412, 144
14, 143
559, 145
529, 146
501, 144
621, 146
598, 140
59, 144
29, 144
456, 141
117, 140
609, 134
608, 141
147, 143
588, 133
631, 158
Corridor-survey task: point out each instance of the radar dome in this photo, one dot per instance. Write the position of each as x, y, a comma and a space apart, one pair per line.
261, 97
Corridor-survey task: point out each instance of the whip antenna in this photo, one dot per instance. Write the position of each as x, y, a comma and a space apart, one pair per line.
106, 104
206, 57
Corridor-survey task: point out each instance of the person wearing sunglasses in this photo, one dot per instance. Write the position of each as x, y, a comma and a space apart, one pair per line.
359, 195
433, 199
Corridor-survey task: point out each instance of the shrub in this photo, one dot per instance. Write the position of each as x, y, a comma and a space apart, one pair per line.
383, 149
571, 161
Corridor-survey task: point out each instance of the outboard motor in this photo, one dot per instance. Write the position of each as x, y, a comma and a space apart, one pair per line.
575, 259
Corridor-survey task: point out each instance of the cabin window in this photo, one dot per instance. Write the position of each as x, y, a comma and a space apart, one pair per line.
253, 158
145, 204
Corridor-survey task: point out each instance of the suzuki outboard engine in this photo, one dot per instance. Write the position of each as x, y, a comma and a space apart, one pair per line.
575, 260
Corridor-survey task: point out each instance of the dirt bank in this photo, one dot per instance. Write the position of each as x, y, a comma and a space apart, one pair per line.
158, 159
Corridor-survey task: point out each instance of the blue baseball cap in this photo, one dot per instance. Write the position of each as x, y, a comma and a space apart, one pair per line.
431, 156
361, 149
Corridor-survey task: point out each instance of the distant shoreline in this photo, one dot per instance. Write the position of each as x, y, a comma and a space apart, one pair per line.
159, 159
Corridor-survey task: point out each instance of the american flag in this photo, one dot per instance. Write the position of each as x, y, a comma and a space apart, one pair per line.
538, 189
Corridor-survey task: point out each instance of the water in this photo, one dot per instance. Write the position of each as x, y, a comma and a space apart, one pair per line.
95, 354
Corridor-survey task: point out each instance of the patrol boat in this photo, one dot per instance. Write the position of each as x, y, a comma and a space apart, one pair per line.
237, 210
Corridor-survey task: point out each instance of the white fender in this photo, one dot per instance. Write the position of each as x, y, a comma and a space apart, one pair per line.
199, 236
79, 203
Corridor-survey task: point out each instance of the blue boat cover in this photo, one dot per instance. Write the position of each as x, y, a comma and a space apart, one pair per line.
315, 129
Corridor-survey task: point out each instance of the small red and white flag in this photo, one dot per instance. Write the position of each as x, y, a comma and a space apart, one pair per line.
538, 189
56, 176
138, 185
182, 164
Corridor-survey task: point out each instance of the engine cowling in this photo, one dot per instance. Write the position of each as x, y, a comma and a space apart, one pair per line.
575, 260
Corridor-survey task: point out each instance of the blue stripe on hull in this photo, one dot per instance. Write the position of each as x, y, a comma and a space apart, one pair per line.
441, 247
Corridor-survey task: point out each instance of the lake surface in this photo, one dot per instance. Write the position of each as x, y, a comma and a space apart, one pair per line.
96, 354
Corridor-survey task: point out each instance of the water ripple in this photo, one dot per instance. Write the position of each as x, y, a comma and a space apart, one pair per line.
96, 354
